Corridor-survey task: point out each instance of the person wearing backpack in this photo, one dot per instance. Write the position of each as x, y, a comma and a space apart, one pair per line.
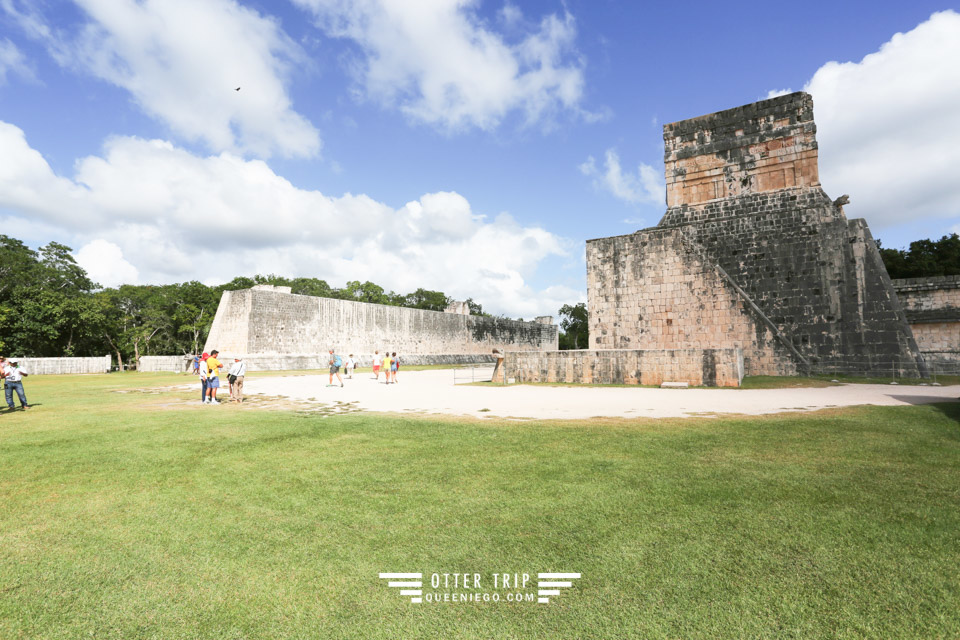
335, 363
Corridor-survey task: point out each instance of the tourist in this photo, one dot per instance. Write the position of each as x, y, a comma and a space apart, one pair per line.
196, 364
213, 377
349, 366
202, 372
386, 366
12, 375
335, 363
235, 376
394, 366
377, 362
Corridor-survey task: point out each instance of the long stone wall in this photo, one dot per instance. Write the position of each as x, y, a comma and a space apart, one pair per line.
173, 364
698, 367
932, 307
59, 366
262, 321
751, 253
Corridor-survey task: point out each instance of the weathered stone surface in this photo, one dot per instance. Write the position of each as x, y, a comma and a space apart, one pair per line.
60, 366
759, 147
751, 253
932, 306
700, 367
173, 364
266, 322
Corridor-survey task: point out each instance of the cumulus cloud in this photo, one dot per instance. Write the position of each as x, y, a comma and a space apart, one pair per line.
181, 61
150, 210
105, 264
889, 125
645, 186
441, 64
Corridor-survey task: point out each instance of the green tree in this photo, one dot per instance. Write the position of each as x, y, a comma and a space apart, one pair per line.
924, 258
426, 299
366, 292
573, 323
311, 287
476, 309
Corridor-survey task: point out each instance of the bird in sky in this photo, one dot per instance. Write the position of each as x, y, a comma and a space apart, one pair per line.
238, 89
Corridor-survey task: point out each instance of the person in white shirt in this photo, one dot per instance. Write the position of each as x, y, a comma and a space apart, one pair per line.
12, 375
202, 372
349, 366
235, 375
377, 363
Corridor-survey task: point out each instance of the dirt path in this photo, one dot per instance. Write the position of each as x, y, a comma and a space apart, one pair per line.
434, 392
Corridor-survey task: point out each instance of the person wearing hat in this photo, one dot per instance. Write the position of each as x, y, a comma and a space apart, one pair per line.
202, 371
235, 376
12, 375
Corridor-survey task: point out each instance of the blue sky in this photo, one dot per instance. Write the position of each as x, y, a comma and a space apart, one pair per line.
470, 147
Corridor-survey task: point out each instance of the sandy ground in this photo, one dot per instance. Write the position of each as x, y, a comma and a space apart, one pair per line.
434, 392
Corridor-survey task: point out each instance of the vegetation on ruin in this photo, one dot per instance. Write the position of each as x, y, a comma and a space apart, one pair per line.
574, 329
131, 511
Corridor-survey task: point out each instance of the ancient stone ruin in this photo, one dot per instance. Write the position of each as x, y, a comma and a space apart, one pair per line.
751, 254
932, 306
276, 329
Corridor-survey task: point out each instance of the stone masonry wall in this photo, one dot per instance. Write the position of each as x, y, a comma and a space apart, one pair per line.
743, 194
816, 275
267, 322
932, 307
698, 367
650, 290
60, 366
759, 147
173, 364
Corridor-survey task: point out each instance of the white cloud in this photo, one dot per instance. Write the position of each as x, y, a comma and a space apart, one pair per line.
105, 264
776, 93
157, 212
644, 186
441, 64
889, 126
181, 61
12, 61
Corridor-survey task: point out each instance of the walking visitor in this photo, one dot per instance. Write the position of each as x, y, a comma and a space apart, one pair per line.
386, 367
377, 363
12, 375
335, 363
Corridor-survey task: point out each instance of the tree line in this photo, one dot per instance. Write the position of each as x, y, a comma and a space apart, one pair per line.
50, 307
924, 258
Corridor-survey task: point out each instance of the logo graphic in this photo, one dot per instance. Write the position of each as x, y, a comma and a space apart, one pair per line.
549, 584
409, 584
479, 587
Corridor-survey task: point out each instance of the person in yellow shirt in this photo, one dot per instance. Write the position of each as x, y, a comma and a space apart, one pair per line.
213, 376
387, 361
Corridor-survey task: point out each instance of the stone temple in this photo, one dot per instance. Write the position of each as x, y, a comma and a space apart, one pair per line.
751, 254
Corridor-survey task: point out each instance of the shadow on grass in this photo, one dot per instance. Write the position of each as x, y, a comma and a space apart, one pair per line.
950, 409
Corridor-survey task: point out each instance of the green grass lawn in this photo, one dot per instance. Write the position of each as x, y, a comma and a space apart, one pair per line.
134, 515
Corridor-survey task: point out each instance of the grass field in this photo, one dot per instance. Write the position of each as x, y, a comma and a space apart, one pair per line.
130, 514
